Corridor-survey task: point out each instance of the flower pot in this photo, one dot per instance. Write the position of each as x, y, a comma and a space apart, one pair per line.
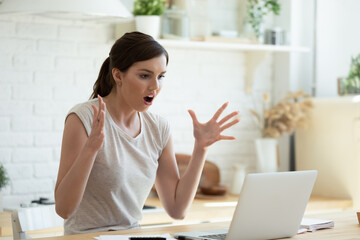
149, 25
348, 86
267, 154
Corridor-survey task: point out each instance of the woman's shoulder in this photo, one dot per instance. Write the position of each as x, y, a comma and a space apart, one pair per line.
158, 125
85, 106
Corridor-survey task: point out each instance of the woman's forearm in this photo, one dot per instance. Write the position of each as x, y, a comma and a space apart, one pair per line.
70, 190
189, 182
205, 135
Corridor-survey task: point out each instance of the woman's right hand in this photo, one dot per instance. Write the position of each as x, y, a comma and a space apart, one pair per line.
96, 138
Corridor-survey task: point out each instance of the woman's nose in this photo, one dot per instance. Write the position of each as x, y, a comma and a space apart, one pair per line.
155, 85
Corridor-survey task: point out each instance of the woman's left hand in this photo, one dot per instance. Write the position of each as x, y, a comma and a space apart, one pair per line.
208, 133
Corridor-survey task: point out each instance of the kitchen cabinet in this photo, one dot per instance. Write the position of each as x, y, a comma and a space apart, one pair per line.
331, 145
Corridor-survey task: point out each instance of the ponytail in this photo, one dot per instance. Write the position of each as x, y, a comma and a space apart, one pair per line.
104, 83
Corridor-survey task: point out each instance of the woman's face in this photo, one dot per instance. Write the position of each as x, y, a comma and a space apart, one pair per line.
142, 82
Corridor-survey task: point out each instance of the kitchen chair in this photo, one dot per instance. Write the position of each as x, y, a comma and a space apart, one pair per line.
34, 218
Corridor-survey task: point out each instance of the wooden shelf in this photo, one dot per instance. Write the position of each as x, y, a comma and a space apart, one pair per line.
219, 45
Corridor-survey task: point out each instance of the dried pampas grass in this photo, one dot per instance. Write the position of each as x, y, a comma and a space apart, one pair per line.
290, 113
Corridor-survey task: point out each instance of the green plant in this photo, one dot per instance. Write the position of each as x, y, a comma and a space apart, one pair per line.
149, 7
4, 179
351, 84
257, 9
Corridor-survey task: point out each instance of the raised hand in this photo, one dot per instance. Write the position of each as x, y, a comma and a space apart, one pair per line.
96, 138
208, 133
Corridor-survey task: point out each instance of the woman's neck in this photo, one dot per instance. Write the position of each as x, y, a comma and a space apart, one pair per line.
125, 117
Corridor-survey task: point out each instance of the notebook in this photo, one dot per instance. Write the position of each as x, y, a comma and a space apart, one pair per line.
270, 205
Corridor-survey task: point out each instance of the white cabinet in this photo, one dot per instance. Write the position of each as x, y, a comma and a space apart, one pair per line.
331, 145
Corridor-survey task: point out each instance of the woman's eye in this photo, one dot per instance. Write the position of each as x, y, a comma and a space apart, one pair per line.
161, 77
144, 76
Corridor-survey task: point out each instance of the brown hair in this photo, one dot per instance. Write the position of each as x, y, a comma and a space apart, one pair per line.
130, 48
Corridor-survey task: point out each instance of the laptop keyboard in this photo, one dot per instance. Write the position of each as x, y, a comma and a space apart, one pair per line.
221, 236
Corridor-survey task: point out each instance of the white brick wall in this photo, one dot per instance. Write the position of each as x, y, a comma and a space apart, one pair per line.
32, 155
47, 66
5, 155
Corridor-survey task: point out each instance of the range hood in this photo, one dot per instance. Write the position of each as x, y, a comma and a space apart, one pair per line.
67, 9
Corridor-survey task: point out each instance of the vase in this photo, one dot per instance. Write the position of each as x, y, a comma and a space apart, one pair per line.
267, 154
249, 33
238, 178
149, 25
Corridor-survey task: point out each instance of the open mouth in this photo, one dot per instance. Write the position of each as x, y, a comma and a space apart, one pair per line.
149, 99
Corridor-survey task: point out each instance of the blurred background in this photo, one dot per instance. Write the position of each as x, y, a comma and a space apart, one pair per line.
49, 62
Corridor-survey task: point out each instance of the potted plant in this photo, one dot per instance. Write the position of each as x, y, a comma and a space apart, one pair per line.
147, 16
4, 181
351, 84
257, 10
290, 113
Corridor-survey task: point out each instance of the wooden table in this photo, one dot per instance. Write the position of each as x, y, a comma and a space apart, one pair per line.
222, 209
346, 227
206, 209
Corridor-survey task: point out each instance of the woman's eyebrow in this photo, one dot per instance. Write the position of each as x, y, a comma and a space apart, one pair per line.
149, 71
146, 70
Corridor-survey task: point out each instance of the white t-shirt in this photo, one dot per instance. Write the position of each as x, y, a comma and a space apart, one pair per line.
123, 174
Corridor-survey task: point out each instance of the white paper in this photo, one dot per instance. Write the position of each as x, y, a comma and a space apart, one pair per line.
313, 224
302, 230
126, 237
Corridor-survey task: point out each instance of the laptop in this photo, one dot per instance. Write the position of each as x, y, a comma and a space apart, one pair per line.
270, 206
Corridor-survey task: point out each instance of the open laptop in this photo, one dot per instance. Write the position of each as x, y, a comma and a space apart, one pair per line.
270, 206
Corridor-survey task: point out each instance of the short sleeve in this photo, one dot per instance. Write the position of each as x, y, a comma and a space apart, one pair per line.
85, 112
165, 131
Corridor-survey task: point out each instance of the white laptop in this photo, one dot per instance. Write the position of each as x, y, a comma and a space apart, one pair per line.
270, 206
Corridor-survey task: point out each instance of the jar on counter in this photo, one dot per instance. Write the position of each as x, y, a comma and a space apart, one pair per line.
175, 24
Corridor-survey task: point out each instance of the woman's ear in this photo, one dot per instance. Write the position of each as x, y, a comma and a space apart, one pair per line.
117, 76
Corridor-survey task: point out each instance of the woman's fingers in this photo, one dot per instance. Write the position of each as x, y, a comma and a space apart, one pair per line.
103, 109
101, 105
102, 119
228, 125
95, 116
220, 111
222, 137
231, 115
99, 114
193, 116
96, 138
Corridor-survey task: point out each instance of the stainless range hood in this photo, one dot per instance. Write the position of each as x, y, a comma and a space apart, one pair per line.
67, 9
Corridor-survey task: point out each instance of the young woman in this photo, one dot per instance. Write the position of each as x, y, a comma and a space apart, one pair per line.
113, 149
